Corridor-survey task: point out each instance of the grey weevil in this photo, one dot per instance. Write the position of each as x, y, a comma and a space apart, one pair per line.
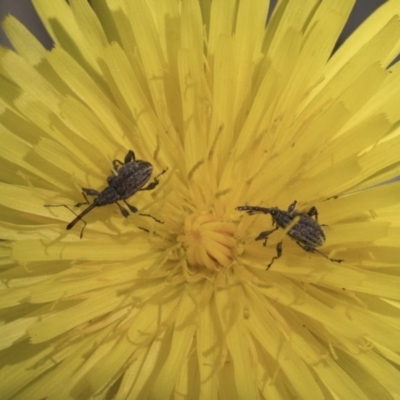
130, 177
306, 232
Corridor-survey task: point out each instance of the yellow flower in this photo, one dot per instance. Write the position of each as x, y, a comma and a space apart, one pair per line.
240, 113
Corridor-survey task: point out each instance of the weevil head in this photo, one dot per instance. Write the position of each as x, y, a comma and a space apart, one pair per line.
273, 211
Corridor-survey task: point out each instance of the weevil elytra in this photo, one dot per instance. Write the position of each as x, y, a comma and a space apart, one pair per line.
130, 177
306, 232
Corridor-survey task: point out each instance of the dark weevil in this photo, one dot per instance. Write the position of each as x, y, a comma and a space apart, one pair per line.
306, 232
130, 177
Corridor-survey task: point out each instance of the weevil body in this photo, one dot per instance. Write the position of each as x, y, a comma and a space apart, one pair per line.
131, 176
306, 231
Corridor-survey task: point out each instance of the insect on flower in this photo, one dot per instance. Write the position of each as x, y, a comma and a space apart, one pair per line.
306, 231
129, 178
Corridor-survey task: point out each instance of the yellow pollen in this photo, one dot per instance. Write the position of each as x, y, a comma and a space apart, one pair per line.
208, 241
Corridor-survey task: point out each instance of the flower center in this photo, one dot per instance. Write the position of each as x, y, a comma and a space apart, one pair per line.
208, 241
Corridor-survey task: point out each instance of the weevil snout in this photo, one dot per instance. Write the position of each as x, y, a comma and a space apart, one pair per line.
254, 209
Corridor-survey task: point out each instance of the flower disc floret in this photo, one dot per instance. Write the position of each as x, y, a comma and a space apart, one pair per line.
208, 241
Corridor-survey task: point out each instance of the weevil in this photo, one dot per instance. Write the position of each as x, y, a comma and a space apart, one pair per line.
306, 232
130, 177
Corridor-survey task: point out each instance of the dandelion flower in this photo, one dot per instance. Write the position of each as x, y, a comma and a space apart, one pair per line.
240, 112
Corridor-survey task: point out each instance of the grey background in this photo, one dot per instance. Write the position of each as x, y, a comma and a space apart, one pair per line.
24, 11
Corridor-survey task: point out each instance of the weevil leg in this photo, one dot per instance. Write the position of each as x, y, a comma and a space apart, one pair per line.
338, 260
116, 164
314, 250
151, 185
130, 156
155, 182
83, 228
87, 192
292, 207
149, 215
133, 209
264, 235
278, 255
313, 213
61, 205
124, 212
